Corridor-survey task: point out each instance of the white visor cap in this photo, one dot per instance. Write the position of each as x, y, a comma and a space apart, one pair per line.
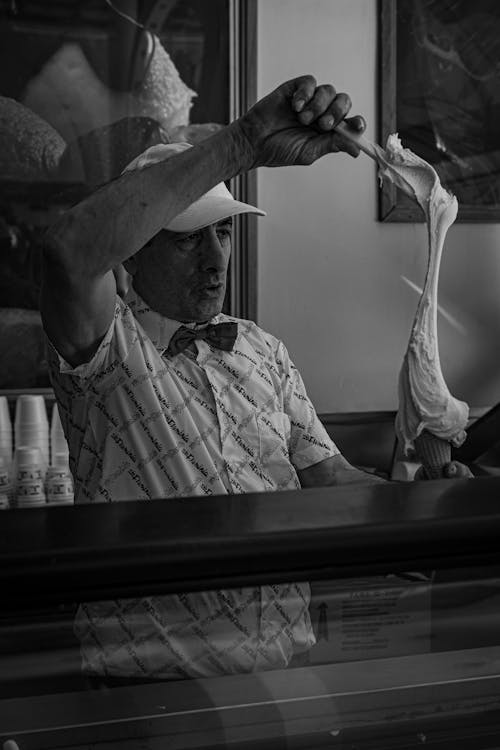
213, 206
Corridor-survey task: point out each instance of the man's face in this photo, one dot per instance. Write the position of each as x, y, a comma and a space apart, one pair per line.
183, 275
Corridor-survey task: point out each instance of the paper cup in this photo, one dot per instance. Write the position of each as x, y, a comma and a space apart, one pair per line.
28, 461
31, 411
58, 442
30, 494
61, 460
5, 430
35, 441
28, 478
59, 486
5, 482
25, 455
6, 447
5, 420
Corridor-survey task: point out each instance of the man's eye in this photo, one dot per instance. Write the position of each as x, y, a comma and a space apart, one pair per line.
190, 240
224, 231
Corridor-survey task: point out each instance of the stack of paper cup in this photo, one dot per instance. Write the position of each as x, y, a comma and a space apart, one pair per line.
31, 426
59, 482
58, 443
5, 487
28, 478
5, 432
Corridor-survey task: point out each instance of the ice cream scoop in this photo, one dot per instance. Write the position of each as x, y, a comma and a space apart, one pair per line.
429, 418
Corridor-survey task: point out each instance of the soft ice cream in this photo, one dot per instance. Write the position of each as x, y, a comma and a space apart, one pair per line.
425, 403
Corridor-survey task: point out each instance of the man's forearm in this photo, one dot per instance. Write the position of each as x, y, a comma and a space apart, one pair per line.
121, 217
335, 471
294, 124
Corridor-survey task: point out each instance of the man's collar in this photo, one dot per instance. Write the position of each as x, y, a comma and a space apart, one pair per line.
159, 328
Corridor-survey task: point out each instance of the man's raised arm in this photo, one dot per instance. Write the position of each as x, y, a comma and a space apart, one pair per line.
295, 124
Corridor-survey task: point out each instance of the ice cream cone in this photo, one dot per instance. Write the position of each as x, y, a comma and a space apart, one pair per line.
433, 452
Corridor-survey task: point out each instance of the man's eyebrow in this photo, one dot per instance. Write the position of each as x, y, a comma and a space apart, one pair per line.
228, 220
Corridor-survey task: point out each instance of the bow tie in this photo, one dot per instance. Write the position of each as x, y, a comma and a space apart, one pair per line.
221, 335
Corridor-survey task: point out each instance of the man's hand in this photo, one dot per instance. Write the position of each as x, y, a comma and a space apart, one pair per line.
453, 470
295, 124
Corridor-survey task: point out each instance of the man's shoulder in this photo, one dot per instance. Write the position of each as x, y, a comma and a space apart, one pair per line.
121, 336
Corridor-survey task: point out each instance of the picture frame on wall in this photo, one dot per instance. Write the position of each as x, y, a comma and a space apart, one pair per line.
86, 87
439, 63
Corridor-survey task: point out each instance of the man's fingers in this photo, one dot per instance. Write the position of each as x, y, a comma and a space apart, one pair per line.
298, 122
457, 470
305, 86
321, 104
346, 145
453, 470
356, 123
322, 107
330, 143
335, 112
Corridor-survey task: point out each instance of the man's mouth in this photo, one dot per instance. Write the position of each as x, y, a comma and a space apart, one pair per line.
212, 290
215, 287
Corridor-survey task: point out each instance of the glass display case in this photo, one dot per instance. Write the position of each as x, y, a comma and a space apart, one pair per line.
402, 587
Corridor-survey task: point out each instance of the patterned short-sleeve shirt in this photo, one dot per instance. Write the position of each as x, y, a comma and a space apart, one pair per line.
143, 424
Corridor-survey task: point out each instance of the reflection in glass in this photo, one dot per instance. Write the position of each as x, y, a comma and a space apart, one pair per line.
448, 100
84, 88
409, 651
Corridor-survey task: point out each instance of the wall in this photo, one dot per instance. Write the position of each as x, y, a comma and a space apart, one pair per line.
329, 274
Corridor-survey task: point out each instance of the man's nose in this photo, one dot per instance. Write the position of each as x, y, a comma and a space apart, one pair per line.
215, 255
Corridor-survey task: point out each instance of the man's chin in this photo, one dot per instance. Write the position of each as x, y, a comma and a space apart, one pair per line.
206, 311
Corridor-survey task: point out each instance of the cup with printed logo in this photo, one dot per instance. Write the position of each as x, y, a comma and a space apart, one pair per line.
31, 426
28, 477
5, 485
59, 481
58, 442
5, 430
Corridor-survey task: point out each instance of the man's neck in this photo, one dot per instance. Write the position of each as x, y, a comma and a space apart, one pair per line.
160, 309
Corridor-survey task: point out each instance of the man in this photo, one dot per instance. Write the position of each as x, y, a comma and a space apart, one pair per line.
163, 396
